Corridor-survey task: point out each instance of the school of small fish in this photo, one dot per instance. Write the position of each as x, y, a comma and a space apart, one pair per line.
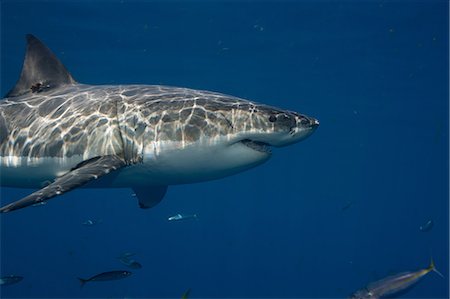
388, 286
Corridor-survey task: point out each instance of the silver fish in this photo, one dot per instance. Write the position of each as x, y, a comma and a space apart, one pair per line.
179, 217
91, 222
393, 284
126, 255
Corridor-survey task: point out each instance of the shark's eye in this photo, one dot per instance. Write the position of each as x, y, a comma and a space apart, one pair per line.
272, 118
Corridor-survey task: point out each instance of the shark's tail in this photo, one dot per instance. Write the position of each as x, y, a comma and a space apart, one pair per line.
432, 267
82, 281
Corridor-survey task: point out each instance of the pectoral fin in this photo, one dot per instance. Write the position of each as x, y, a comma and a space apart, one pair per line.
83, 173
149, 196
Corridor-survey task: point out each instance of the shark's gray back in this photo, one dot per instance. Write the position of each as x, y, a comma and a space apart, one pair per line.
69, 121
90, 121
48, 114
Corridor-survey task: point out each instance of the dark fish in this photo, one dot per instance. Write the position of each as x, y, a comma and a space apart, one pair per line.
106, 276
393, 284
10, 279
427, 226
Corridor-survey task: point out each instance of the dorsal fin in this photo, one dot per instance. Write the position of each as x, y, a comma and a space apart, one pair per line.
41, 70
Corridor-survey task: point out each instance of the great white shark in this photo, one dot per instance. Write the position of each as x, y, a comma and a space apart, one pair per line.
57, 134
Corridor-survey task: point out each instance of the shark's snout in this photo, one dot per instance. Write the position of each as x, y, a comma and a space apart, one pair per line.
303, 121
314, 123
304, 126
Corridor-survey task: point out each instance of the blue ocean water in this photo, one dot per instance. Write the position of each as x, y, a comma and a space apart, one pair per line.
322, 218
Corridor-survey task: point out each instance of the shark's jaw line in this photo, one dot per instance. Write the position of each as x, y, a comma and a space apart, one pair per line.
57, 134
257, 146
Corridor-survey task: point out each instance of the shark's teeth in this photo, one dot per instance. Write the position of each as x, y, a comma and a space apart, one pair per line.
257, 146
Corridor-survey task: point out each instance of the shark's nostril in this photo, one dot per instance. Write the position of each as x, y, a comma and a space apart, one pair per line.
314, 122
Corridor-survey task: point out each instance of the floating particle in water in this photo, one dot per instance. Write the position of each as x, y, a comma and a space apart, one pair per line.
347, 206
10, 279
258, 27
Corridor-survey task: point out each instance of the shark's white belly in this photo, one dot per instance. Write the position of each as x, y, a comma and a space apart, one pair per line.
167, 163
22, 172
174, 164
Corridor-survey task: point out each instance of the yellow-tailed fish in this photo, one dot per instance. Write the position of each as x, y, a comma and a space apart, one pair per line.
393, 284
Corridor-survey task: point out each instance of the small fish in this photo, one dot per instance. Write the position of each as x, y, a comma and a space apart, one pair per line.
92, 222
124, 258
186, 294
10, 279
106, 276
131, 263
179, 217
427, 226
393, 284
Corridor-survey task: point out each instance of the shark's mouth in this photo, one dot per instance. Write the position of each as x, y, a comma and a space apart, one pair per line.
257, 145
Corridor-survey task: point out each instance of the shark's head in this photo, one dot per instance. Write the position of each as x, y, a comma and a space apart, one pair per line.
260, 126
255, 128
251, 130
228, 135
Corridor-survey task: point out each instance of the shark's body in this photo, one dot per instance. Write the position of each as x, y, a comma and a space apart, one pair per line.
57, 134
170, 130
